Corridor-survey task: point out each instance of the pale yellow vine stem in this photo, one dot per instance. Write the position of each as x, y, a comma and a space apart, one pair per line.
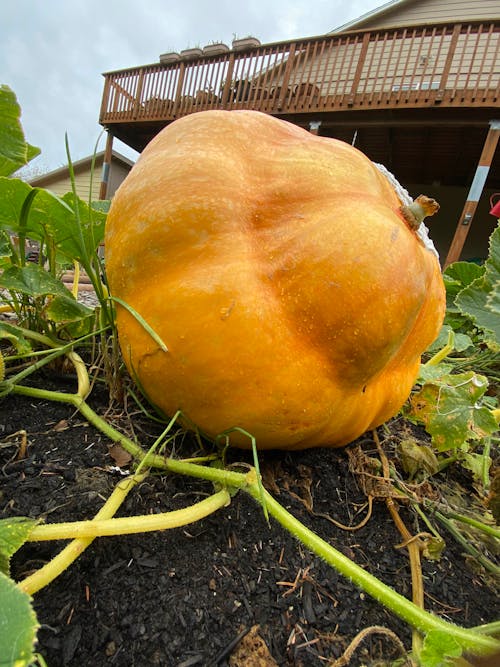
413, 546
134, 524
81, 374
76, 279
444, 351
70, 553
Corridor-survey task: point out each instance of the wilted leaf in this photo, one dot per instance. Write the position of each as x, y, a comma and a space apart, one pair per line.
451, 410
119, 455
415, 458
61, 425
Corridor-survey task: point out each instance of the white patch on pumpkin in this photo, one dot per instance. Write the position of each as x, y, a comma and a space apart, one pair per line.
404, 196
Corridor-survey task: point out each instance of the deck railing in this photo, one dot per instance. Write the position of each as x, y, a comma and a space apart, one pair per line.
448, 65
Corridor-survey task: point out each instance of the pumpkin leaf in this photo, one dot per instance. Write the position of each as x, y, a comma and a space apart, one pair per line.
32, 280
452, 411
13, 534
15, 152
63, 309
5, 249
461, 342
13, 193
416, 458
456, 277
493, 299
12, 333
76, 228
437, 647
19, 625
52, 217
479, 300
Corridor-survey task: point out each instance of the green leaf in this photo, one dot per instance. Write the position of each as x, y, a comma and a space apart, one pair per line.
12, 333
451, 410
438, 646
461, 341
493, 300
13, 193
476, 463
65, 309
18, 625
13, 534
428, 373
433, 547
102, 205
478, 299
14, 151
456, 277
76, 228
5, 249
32, 280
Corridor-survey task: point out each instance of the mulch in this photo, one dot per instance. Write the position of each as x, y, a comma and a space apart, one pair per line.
229, 590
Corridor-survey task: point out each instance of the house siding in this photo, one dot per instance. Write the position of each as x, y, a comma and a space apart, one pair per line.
82, 183
425, 12
59, 181
399, 60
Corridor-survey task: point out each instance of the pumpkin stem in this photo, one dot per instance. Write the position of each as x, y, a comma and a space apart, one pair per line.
415, 212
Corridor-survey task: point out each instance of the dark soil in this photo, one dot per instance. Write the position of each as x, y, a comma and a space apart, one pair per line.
183, 597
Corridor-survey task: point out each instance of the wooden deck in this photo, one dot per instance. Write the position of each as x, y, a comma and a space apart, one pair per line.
439, 66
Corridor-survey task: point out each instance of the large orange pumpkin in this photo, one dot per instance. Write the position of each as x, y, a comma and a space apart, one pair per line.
278, 268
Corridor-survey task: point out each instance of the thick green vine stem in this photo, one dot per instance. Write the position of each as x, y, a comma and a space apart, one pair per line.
418, 618
424, 621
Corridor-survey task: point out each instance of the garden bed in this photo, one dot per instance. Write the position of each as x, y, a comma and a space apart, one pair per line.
183, 597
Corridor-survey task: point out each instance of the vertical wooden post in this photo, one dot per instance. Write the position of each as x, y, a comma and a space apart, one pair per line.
359, 68
228, 85
106, 166
449, 60
286, 76
178, 92
476, 189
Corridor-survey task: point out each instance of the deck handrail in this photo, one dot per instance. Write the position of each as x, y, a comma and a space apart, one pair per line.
442, 64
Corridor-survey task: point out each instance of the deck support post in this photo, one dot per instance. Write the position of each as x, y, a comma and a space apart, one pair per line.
476, 189
106, 166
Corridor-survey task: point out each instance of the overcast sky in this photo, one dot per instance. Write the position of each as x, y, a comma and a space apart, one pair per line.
53, 52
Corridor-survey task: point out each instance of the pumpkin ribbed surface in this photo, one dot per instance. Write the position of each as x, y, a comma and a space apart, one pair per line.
276, 266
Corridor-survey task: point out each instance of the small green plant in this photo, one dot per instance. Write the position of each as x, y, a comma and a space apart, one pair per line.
65, 231
457, 405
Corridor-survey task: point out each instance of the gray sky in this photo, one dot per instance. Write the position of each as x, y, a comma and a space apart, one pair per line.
53, 52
